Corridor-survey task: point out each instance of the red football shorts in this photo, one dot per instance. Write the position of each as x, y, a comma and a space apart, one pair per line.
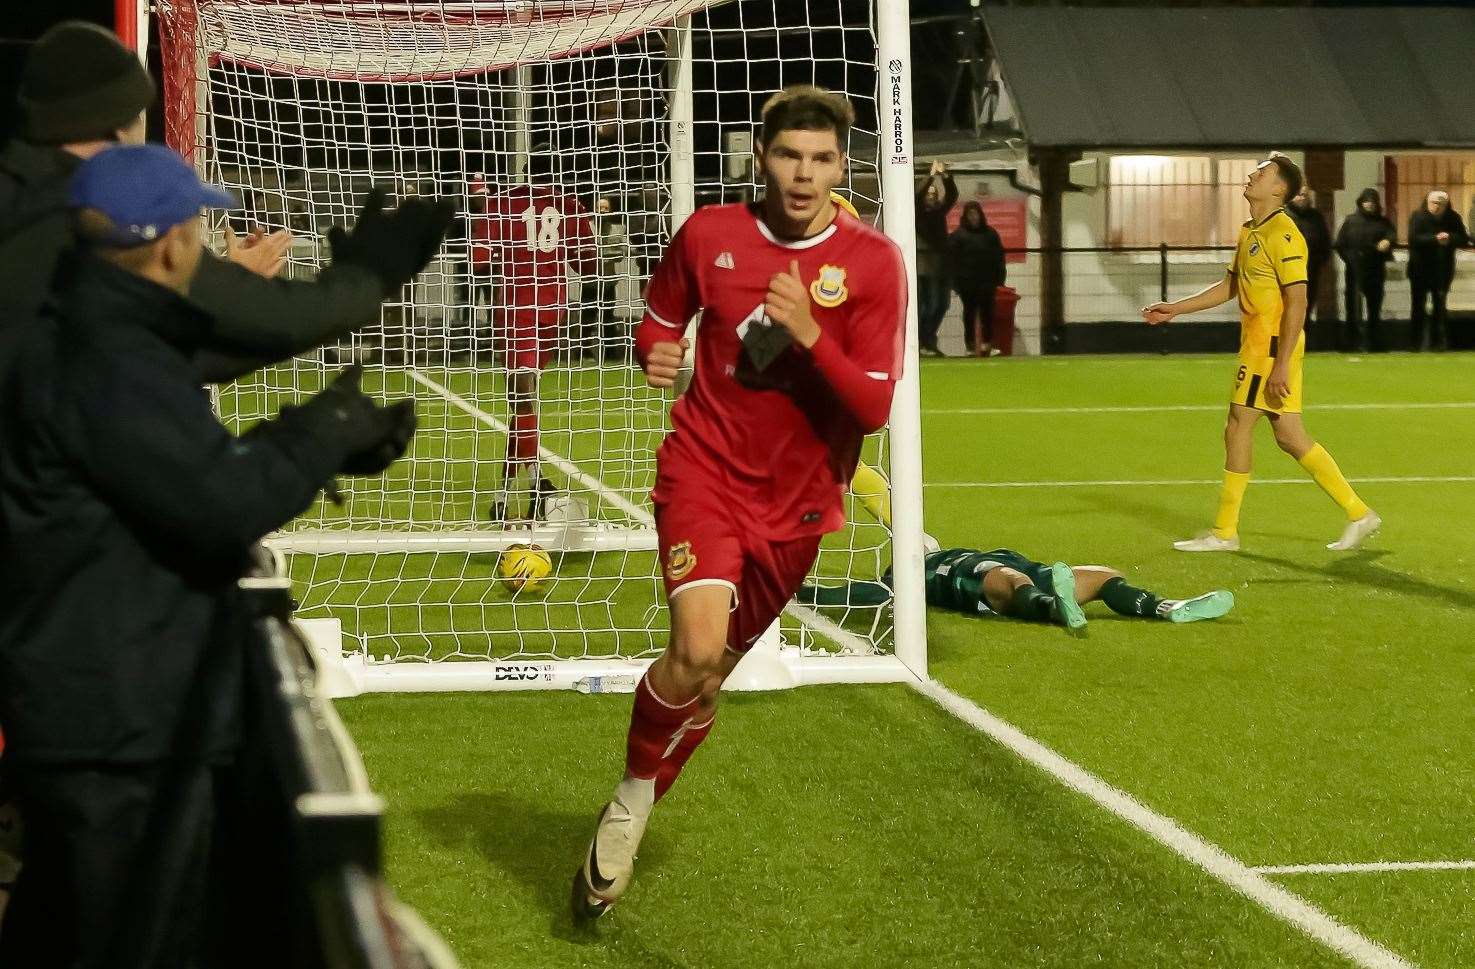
704, 540
526, 337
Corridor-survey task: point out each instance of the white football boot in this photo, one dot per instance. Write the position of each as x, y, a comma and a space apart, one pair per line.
610, 862
1208, 542
1357, 532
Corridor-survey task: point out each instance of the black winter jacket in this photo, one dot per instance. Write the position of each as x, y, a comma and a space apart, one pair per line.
975, 256
932, 222
129, 513
1314, 230
1431, 263
256, 321
1358, 239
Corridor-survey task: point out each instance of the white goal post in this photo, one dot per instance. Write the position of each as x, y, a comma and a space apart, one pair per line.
611, 121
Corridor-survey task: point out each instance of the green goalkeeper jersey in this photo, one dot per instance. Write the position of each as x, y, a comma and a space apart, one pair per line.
953, 580
954, 577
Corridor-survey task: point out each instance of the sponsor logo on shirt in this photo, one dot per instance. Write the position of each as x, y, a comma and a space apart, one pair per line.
680, 560
724, 261
829, 288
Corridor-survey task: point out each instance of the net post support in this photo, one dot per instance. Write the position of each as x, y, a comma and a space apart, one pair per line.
682, 175
894, 110
522, 123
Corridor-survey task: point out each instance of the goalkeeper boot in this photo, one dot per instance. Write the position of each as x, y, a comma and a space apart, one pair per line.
1210, 605
543, 493
1357, 532
610, 862
1070, 613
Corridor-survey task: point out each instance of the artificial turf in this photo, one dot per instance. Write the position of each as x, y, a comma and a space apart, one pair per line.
1327, 719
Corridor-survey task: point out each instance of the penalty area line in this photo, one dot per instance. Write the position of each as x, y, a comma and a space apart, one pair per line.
1215, 861
557, 460
1354, 868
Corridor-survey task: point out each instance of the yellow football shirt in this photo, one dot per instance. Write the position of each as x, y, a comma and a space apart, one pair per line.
1271, 253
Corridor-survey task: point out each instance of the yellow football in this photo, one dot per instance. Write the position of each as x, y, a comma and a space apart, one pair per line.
525, 568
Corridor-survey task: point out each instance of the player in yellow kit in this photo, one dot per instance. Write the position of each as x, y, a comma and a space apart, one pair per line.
1268, 275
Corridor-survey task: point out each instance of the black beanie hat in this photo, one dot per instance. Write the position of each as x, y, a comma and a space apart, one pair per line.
80, 84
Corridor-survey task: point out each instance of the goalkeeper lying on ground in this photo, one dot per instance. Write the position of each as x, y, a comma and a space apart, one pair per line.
1005, 583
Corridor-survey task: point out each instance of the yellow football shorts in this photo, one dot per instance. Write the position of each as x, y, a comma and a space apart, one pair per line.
1250, 380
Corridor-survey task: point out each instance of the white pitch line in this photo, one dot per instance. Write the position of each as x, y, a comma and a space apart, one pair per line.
803, 614
557, 460
1187, 408
1366, 866
1124, 482
1284, 905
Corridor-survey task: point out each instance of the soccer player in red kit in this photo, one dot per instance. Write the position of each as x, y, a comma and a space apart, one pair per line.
799, 349
523, 240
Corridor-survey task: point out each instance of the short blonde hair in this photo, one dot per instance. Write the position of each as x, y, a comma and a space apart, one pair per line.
805, 107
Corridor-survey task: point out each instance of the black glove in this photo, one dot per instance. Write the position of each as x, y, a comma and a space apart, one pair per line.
344, 418
397, 422
393, 245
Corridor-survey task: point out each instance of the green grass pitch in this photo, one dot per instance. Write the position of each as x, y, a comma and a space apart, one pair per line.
1328, 719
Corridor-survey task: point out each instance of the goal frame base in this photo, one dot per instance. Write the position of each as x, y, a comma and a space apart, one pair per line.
769, 665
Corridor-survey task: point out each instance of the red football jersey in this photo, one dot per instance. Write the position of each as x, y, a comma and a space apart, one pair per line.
526, 239
775, 437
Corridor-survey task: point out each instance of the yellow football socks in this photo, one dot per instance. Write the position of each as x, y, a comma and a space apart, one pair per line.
1326, 473
873, 492
1226, 522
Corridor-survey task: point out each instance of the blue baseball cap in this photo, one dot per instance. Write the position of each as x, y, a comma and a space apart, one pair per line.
145, 190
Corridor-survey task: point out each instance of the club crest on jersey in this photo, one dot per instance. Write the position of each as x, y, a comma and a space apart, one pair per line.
1254, 248
680, 560
829, 288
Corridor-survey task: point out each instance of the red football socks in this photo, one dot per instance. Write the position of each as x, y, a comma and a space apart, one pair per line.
662, 736
522, 446
688, 738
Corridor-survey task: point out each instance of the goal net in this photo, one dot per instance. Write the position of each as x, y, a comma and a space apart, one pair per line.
573, 137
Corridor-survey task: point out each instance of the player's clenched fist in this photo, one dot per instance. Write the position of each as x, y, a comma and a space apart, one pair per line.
664, 361
1158, 313
787, 304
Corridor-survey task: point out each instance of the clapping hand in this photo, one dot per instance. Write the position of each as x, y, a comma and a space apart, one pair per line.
261, 252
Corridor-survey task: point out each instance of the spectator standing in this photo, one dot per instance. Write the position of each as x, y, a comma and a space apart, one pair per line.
936, 196
528, 239
130, 514
1302, 210
976, 264
1365, 246
82, 91
1435, 231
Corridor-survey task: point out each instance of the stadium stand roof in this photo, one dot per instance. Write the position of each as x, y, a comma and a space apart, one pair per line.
1238, 77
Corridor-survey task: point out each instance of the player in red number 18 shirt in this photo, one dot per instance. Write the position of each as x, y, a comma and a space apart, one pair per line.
799, 349
522, 243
